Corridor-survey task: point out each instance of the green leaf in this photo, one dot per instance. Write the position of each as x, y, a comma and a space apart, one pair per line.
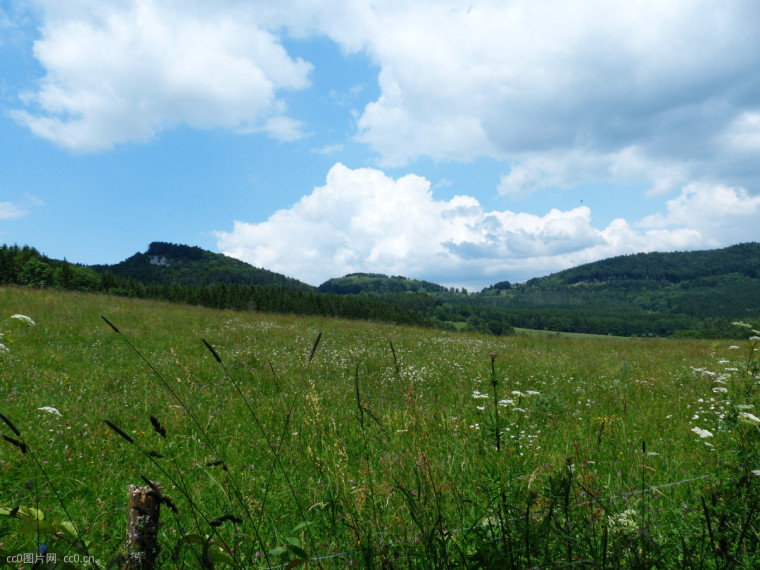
32, 527
67, 527
30, 513
294, 563
299, 552
293, 541
299, 526
193, 539
278, 551
217, 555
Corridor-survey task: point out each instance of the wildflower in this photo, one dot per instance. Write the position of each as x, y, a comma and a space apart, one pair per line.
756, 472
720, 390
701, 432
3, 348
24, 318
532, 393
50, 410
748, 418
733, 347
624, 524
476, 394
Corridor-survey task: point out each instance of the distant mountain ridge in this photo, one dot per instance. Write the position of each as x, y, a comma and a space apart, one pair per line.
190, 265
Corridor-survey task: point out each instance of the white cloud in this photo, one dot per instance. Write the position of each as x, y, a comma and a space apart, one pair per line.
726, 214
123, 71
12, 210
9, 211
560, 90
363, 220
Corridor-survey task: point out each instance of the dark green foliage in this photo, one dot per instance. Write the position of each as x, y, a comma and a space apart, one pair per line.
685, 294
193, 266
355, 283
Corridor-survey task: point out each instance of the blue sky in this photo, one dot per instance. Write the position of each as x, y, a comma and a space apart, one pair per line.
460, 142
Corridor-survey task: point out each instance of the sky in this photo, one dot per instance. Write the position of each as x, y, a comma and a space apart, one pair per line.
461, 142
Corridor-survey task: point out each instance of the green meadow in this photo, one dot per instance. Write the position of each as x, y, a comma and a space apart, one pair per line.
337, 444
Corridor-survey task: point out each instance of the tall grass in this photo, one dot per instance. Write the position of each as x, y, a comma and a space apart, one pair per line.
374, 445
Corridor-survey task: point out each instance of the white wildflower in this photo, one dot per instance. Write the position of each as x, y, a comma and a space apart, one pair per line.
3, 348
27, 320
477, 394
754, 338
756, 472
701, 432
748, 418
532, 393
624, 523
506, 402
720, 390
517, 393
744, 407
733, 347
50, 410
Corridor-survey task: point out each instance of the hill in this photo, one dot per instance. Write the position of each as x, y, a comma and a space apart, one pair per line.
654, 294
192, 266
648, 294
355, 283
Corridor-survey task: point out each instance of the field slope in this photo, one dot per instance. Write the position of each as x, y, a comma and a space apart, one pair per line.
377, 446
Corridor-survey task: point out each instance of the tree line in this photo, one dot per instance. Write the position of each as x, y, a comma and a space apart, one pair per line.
26, 266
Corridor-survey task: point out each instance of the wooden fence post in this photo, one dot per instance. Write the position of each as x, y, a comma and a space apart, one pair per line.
142, 527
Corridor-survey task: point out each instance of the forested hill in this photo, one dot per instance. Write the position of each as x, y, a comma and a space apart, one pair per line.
655, 294
354, 283
742, 259
698, 293
192, 266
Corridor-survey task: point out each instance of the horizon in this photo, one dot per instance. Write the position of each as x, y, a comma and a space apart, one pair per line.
461, 143
389, 276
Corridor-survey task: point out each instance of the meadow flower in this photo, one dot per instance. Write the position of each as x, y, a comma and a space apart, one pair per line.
24, 318
733, 347
720, 390
50, 410
3, 348
756, 472
748, 418
701, 432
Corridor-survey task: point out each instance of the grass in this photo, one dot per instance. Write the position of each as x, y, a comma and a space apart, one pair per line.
379, 446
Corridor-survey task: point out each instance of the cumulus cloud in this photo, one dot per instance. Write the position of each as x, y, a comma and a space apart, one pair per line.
117, 72
561, 91
532, 80
362, 220
726, 214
